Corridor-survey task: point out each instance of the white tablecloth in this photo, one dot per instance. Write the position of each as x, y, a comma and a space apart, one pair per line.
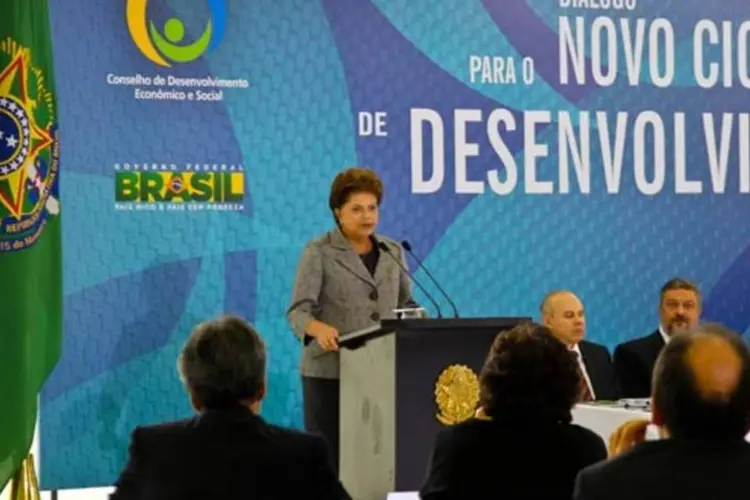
605, 419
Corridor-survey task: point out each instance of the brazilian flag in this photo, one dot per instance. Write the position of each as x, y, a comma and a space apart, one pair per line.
30, 236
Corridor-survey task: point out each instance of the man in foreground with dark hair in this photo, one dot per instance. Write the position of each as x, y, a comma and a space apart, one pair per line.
227, 451
701, 404
523, 445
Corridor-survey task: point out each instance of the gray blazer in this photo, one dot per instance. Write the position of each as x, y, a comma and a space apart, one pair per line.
334, 286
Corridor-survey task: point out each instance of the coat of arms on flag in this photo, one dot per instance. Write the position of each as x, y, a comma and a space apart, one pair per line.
28, 149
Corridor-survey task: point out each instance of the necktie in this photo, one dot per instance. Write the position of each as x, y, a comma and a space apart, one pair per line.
584, 395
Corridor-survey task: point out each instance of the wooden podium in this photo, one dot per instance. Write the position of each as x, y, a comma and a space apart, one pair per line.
402, 380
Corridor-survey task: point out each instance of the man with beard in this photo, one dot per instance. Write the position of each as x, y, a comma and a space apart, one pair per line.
679, 311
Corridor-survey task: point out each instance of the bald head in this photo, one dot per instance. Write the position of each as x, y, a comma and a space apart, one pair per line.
563, 313
716, 367
702, 385
550, 300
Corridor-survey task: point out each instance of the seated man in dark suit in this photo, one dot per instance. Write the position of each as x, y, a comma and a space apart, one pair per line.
679, 310
227, 451
562, 312
701, 404
522, 444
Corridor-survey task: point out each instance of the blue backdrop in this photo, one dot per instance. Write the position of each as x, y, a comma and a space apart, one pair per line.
137, 281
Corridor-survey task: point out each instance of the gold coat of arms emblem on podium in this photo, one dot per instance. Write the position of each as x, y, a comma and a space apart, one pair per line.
456, 394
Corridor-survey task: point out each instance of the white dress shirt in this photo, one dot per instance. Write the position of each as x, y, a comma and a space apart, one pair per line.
582, 365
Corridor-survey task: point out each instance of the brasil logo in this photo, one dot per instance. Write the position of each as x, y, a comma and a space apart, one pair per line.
165, 187
167, 48
29, 149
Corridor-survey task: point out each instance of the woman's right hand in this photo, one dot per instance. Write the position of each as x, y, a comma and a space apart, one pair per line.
326, 335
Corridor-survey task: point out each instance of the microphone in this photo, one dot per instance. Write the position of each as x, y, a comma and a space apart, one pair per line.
407, 247
387, 250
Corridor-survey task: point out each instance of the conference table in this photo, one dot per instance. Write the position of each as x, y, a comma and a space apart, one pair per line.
603, 419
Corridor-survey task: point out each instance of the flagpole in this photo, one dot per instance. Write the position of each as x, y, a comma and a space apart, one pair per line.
25, 483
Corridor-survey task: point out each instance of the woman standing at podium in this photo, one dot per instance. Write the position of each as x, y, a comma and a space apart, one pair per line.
347, 279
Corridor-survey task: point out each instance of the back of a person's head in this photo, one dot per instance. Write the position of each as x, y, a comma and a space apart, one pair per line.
702, 385
529, 376
223, 363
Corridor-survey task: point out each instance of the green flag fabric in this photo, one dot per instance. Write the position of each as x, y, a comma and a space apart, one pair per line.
30, 234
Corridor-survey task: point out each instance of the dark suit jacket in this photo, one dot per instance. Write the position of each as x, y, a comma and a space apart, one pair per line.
634, 364
494, 460
670, 469
227, 454
600, 369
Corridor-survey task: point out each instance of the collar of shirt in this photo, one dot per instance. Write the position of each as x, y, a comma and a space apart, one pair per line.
577, 350
664, 335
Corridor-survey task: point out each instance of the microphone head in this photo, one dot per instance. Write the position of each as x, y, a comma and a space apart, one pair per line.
406, 245
383, 247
